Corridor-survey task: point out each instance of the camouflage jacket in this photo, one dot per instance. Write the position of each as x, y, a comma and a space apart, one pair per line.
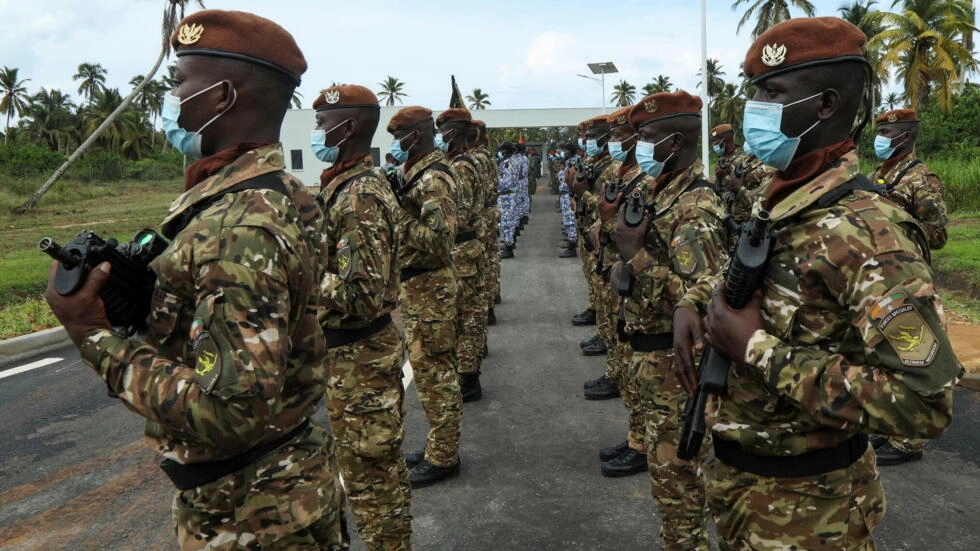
427, 227
920, 193
234, 356
854, 337
683, 254
360, 281
508, 181
744, 182
469, 212
488, 186
604, 168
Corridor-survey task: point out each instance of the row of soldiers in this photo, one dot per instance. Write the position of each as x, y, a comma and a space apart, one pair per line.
845, 338
270, 298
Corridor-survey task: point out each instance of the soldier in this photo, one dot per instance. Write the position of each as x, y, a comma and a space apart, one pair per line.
468, 253
848, 334
671, 260
429, 289
570, 243
523, 197
580, 196
909, 183
232, 365
491, 233
508, 189
359, 290
740, 178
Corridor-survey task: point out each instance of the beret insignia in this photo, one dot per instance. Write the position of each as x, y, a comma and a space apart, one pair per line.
773, 54
189, 34
650, 106
621, 119
331, 96
892, 118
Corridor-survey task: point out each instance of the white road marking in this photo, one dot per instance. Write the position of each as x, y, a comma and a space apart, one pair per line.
28, 367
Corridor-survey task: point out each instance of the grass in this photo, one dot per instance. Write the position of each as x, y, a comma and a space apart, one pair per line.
961, 255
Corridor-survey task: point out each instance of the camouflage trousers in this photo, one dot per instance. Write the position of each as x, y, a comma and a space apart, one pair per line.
509, 217
491, 277
678, 488
523, 199
908, 445
472, 313
567, 217
428, 306
619, 363
365, 402
588, 269
833, 511
289, 500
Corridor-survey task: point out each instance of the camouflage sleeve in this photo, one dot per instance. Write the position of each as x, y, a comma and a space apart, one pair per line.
365, 251
699, 252
467, 181
652, 281
435, 228
226, 398
930, 208
508, 176
903, 383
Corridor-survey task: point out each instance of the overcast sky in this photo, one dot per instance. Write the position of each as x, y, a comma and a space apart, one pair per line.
524, 54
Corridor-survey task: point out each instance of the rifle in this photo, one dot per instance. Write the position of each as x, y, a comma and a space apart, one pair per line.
611, 191
743, 278
632, 216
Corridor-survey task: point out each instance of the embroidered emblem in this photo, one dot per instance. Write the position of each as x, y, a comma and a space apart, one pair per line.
189, 34
207, 367
905, 330
685, 259
650, 106
331, 96
773, 54
343, 259
892, 117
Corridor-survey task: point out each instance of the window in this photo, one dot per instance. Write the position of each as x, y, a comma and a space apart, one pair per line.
296, 156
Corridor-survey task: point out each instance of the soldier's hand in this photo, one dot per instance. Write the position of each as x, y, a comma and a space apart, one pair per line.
607, 210
82, 312
629, 240
729, 330
594, 235
688, 341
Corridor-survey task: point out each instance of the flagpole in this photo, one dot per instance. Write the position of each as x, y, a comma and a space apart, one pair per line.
705, 111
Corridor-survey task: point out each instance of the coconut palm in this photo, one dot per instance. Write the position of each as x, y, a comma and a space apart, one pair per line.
660, 84
769, 12
391, 91
729, 104
14, 98
623, 94
478, 100
858, 13
715, 82
891, 100
173, 12
923, 44
296, 102
92, 77
49, 117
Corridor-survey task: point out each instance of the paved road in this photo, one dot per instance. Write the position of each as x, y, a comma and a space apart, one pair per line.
75, 474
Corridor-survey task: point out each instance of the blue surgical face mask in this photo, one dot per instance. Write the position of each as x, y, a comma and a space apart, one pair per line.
592, 148
616, 150
440, 145
762, 128
188, 143
644, 157
500, 155
581, 143
318, 143
718, 149
397, 152
883, 146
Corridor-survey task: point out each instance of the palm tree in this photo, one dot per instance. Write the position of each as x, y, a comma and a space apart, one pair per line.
715, 82
729, 104
660, 84
770, 12
296, 102
173, 12
391, 91
858, 14
49, 117
14, 95
478, 100
924, 45
92, 76
623, 94
891, 100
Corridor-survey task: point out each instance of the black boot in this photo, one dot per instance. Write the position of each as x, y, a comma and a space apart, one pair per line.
568, 253
507, 250
591, 340
889, 455
605, 390
469, 386
600, 380
496, 298
491, 317
486, 351
625, 464
585, 318
413, 458
598, 348
612, 452
425, 473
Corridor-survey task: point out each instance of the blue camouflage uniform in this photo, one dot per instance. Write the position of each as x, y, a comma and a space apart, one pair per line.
508, 186
523, 198
565, 202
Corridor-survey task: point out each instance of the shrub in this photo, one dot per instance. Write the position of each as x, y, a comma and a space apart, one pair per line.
19, 159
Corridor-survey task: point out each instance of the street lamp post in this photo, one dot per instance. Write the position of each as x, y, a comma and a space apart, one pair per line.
602, 69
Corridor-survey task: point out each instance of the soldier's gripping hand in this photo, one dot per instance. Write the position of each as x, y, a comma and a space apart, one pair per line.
608, 210
688, 341
629, 239
729, 330
81, 312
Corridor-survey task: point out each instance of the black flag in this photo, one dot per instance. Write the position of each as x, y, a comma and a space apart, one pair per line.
456, 100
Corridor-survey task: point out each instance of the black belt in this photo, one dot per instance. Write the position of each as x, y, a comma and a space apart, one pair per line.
341, 337
409, 273
505, 192
463, 237
193, 475
642, 342
811, 463
490, 203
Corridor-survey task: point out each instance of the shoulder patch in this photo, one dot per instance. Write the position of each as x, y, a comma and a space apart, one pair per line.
344, 259
685, 258
207, 366
905, 330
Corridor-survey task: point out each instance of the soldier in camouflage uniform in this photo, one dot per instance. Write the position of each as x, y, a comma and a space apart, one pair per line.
232, 365
508, 189
491, 220
365, 396
910, 184
671, 261
740, 178
523, 196
468, 253
429, 292
570, 244
848, 335
578, 178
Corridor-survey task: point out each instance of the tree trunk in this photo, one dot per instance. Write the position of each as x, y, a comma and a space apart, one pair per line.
32, 202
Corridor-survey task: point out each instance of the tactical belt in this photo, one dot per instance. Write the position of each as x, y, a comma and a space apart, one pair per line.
341, 337
192, 475
811, 463
409, 273
642, 342
505, 192
489, 203
463, 237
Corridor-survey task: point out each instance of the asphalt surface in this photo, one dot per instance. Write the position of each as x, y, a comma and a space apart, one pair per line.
75, 473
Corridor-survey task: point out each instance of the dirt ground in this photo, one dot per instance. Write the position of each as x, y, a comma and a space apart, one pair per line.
966, 342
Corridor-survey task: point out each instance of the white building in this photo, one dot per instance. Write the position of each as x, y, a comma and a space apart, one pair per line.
298, 123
